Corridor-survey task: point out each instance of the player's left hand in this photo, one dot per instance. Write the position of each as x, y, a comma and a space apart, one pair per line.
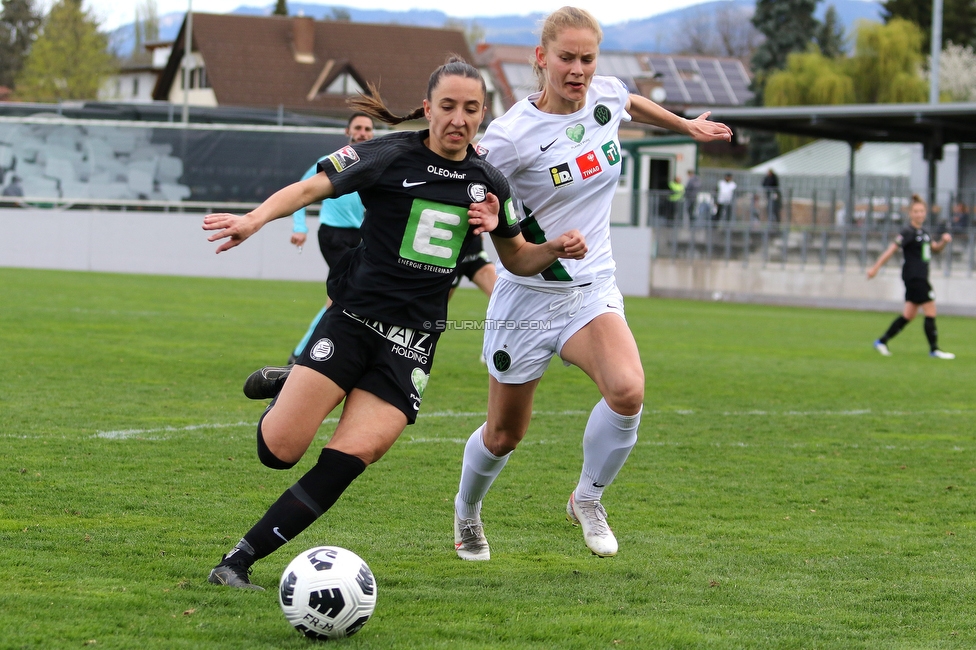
702, 130
946, 238
484, 216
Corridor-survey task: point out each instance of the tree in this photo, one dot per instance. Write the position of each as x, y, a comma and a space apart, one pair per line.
887, 62
70, 58
727, 31
957, 74
810, 79
146, 28
473, 32
788, 26
958, 19
19, 22
830, 35
281, 8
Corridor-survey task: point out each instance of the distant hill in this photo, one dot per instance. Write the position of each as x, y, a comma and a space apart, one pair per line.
658, 33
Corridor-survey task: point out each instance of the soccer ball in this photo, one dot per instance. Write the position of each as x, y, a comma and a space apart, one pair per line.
327, 592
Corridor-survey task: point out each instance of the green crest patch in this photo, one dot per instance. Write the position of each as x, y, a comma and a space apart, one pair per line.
419, 380
502, 360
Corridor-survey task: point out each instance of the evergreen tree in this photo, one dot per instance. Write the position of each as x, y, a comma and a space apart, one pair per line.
70, 58
788, 26
19, 22
281, 8
830, 35
958, 19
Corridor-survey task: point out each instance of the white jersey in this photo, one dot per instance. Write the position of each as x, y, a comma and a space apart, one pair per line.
563, 171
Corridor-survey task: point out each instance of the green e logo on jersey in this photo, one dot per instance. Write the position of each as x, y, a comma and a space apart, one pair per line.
510, 217
434, 233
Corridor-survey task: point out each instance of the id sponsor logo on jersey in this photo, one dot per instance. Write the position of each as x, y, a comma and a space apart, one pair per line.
561, 175
477, 192
322, 350
612, 152
589, 164
344, 158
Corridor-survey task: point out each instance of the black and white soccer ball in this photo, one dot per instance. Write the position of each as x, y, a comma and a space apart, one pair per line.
327, 592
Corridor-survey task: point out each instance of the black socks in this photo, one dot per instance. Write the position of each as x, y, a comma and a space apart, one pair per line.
302, 503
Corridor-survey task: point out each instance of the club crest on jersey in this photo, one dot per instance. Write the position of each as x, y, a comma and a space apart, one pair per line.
612, 152
575, 133
481, 151
589, 164
601, 114
344, 158
561, 175
322, 350
477, 192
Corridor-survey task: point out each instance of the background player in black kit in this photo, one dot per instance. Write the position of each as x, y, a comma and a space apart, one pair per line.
426, 195
916, 245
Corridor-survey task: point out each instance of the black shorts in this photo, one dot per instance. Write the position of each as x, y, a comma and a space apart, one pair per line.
918, 291
389, 361
469, 265
335, 242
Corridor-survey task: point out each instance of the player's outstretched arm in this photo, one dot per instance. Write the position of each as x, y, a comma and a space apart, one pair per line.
884, 257
937, 246
643, 110
235, 228
524, 258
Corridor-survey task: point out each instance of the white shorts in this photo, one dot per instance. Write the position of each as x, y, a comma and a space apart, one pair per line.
525, 326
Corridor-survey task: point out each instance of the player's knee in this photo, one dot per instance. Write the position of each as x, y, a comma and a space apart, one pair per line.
502, 439
268, 457
626, 395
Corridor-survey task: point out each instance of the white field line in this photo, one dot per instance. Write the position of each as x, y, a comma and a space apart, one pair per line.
155, 432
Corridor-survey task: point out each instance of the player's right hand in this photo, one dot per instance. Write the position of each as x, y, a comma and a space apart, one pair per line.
298, 239
234, 228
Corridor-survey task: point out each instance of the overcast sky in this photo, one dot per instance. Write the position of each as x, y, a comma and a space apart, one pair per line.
112, 13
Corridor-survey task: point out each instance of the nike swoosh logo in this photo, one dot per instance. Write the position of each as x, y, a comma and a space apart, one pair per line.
407, 183
275, 531
546, 148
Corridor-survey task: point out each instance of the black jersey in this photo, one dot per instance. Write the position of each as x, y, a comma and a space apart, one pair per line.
916, 246
414, 227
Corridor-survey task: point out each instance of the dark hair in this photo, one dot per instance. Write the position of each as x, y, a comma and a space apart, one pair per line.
918, 199
354, 116
372, 105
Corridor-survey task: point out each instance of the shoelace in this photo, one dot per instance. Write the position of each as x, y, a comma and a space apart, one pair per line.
472, 534
596, 515
574, 300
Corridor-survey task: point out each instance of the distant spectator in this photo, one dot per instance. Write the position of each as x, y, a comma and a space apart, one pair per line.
692, 188
771, 184
14, 188
726, 194
677, 198
960, 217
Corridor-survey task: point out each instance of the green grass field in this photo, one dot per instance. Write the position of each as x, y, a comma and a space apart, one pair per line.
791, 487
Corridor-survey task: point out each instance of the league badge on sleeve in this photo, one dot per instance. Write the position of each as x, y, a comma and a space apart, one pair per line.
344, 158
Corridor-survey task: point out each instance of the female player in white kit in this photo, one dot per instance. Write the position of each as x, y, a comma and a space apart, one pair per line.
559, 150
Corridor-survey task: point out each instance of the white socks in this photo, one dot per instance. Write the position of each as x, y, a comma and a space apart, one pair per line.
607, 441
479, 469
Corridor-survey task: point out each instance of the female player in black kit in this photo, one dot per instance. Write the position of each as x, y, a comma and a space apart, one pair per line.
426, 195
916, 245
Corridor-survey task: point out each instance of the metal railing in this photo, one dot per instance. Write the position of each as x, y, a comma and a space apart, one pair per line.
767, 229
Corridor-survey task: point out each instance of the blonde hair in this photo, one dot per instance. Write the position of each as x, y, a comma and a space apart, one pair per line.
560, 19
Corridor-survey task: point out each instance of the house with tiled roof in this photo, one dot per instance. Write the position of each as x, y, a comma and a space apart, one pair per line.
303, 65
